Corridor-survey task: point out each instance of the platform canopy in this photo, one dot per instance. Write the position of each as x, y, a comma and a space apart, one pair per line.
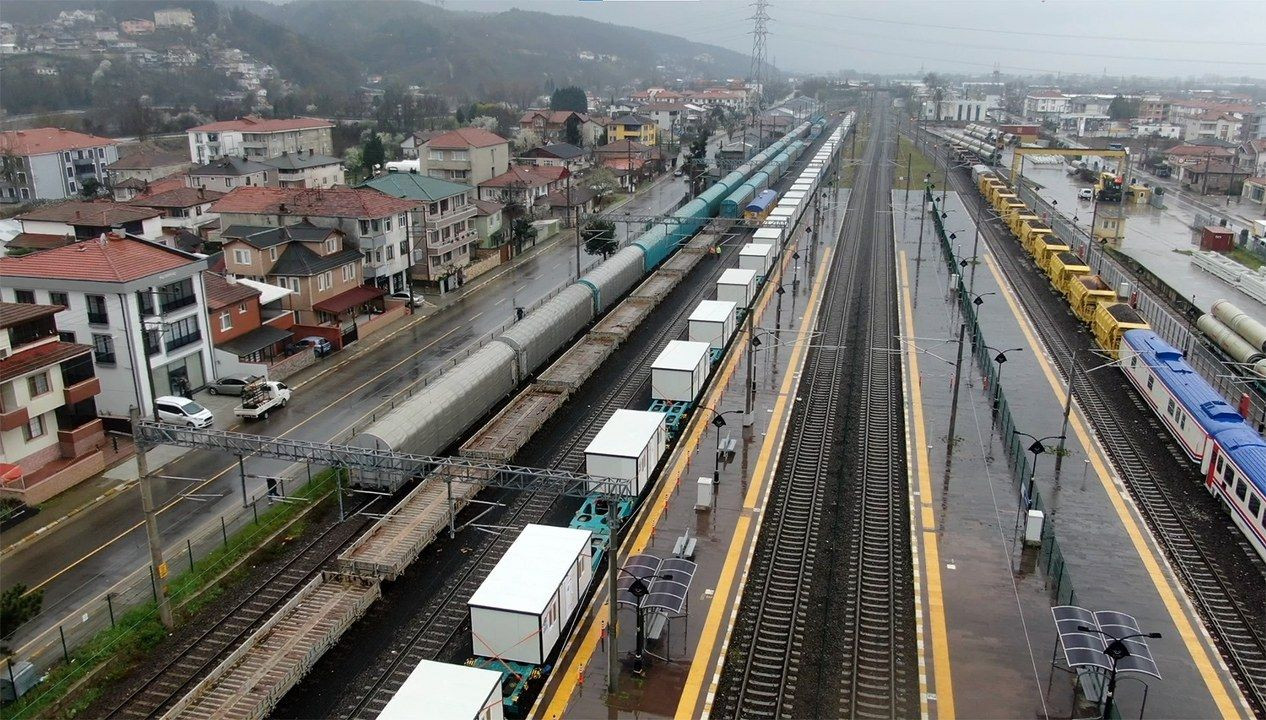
664, 584
1089, 647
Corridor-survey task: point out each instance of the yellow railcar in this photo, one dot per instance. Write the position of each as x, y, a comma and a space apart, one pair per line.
1045, 248
1086, 293
1063, 267
1111, 321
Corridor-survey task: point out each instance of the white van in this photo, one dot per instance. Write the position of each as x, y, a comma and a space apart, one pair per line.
182, 411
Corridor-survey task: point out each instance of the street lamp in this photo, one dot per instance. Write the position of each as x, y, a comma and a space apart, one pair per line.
749, 396
1037, 448
639, 589
1073, 373
1000, 358
718, 421
1116, 651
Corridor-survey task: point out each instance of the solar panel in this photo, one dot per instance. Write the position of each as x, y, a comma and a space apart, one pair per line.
637, 567
1088, 648
666, 583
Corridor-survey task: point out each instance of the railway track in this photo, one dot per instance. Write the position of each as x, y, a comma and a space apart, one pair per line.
1215, 579
198, 655
826, 633
444, 618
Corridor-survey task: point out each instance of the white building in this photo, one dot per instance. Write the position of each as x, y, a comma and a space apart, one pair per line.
1046, 103
306, 170
79, 219
52, 164
256, 138
140, 305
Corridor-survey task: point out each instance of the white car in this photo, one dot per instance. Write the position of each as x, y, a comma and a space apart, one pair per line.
182, 411
1086, 194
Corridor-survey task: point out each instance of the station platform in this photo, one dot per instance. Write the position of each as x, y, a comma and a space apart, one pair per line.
684, 663
987, 637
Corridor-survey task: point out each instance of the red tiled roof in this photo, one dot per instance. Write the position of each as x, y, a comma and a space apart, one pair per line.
552, 117
527, 176
254, 124
16, 313
40, 241
222, 293
463, 138
117, 259
1200, 151
39, 141
317, 202
349, 299
96, 214
180, 197
487, 207
23, 362
1257, 180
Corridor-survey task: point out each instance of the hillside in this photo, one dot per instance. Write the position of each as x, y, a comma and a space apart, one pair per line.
486, 55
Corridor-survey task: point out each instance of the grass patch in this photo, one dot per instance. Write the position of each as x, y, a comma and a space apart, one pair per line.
138, 631
919, 165
848, 172
1245, 258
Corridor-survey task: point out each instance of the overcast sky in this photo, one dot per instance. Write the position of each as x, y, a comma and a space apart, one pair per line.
1121, 37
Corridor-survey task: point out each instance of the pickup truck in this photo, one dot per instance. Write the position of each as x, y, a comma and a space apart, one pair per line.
260, 398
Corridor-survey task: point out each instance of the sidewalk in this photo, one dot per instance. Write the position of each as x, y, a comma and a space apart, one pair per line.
121, 472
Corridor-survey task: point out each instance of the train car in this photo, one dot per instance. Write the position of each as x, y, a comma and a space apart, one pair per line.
1031, 227
1231, 456
442, 691
1045, 248
760, 206
1036, 237
1086, 293
1111, 321
1230, 342
1016, 222
1063, 267
612, 279
1010, 208
1246, 327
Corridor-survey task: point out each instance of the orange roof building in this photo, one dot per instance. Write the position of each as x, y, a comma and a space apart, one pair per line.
53, 163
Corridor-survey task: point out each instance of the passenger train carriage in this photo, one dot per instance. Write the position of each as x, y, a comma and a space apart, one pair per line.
1231, 455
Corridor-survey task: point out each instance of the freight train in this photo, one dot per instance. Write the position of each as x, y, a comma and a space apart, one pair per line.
1230, 454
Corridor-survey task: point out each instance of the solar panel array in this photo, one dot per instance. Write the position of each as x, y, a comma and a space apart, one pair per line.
664, 584
1089, 647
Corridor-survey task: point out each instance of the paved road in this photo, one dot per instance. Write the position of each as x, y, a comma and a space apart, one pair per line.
83, 558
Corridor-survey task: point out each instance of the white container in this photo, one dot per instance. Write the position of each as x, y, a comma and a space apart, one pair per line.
680, 371
713, 322
1033, 527
756, 256
703, 493
768, 236
441, 691
519, 611
738, 286
628, 447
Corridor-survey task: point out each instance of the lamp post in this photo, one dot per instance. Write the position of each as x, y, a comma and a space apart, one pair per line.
1116, 651
1037, 447
749, 396
639, 589
718, 421
1001, 359
1073, 374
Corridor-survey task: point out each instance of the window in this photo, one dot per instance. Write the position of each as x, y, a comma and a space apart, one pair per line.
1182, 420
386, 225
71, 186
375, 225
377, 255
182, 332
228, 182
1150, 379
404, 248
1169, 410
103, 348
59, 298
179, 294
37, 384
1241, 488
1134, 361
66, 336
70, 172
226, 321
100, 152
33, 428
435, 155
401, 219
66, 156
322, 284
24, 296
1254, 504
272, 253
26, 194
97, 314
242, 257
241, 309
21, 178
391, 252
331, 245
364, 227
349, 272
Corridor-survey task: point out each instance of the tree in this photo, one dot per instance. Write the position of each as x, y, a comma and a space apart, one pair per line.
90, 188
523, 231
571, 131
373, 155
526, 140
602, 182
936, 85
599, 238
16, 607
486, 122
1122, 109
569, 98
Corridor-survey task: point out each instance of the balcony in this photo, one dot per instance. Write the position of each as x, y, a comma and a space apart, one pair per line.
435, 222
81, 391
183, 340
454, 243
14, 419
175, 303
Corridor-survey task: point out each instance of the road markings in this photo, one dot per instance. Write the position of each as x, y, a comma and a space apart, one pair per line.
1182, 622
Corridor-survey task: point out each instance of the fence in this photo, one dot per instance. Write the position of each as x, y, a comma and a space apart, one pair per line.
125, 617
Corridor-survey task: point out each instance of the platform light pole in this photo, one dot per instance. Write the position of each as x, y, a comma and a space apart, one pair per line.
1001, 359
1037, 447
1074, 374
1117, 651
718, 421
749, 396
639, 589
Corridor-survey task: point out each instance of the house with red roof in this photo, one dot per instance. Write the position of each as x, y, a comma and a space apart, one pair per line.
81, 219
523, 184
138, 304
52, 163
185, 208
50, 436
256, 138
465, 155
552, 126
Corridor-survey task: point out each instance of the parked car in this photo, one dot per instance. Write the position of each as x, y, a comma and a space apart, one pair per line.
413, 301
319, 345
261, 398
183, 411
231, 384
1086, 194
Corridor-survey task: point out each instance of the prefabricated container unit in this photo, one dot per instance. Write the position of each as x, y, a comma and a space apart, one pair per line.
713, 322
738, 286
520, 610
756, 256
680, 371
442, 691
795, 195
628, 447
769, 235
785, 212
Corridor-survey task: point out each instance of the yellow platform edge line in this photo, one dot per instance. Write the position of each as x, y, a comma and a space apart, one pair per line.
1198, 650
942, 676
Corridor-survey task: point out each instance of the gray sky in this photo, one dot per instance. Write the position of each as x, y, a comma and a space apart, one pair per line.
1121, 37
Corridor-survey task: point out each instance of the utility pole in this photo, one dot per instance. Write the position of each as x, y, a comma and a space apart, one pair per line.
958, 377
909, 166
159, 568
613, 617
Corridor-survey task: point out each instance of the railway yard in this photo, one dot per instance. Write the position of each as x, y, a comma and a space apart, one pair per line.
899, 461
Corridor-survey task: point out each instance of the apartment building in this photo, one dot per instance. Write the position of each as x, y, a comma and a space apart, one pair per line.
256, 138
80, 220
226, 173
1046, 103
139, 305
374, 223
442, 222
523, 184
306, 170
182, 208
52, 163
466, 155
552, 126
632, 126
147, 165
48, 415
